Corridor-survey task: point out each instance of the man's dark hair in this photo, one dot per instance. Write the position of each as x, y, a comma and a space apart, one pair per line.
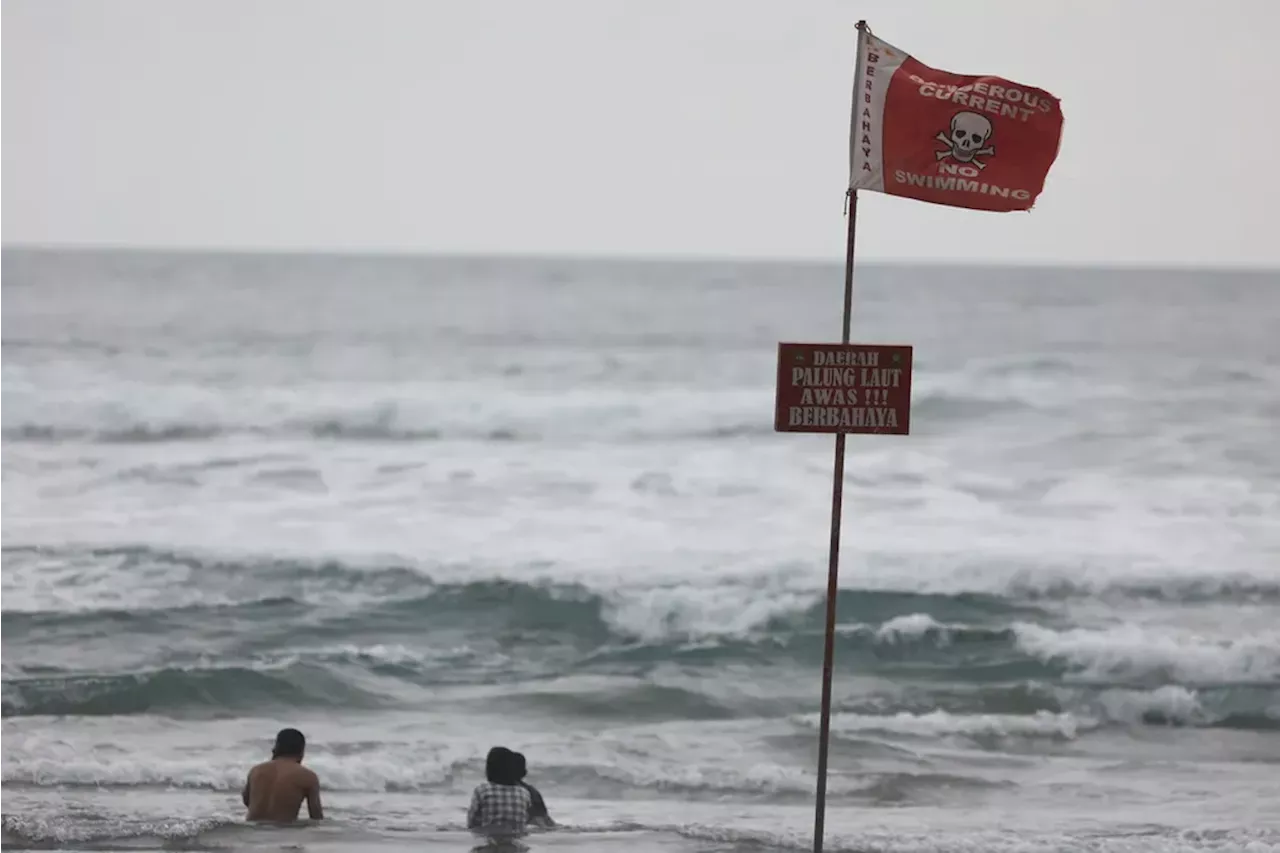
289, 744
519, 766
500, 766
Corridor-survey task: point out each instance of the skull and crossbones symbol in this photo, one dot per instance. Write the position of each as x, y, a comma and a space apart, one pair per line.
967, 139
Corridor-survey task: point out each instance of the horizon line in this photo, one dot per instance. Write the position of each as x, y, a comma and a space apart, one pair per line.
653, 257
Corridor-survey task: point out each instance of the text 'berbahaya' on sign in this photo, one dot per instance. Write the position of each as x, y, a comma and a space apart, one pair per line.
849, 388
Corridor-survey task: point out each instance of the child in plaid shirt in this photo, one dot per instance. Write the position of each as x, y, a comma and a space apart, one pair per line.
500, 804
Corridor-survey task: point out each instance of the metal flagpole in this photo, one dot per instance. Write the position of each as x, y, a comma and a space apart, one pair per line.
837, 503
833, 560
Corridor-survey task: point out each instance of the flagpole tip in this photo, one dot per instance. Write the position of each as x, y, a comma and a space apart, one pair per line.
862, 25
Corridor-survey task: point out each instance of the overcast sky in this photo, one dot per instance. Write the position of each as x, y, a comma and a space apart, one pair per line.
644, 127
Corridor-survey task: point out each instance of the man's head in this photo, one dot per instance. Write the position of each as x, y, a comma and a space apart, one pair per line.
519, 766
289, 744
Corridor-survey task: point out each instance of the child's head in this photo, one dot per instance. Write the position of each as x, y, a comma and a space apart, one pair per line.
500, 766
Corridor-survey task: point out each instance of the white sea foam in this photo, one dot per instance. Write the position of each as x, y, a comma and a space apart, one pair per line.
911, 626
1131, 652
942, 723
1172, 702
420, 759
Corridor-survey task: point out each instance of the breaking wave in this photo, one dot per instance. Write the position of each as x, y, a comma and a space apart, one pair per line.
981, 655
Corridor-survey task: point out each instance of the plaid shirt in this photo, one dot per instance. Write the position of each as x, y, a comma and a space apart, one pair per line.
504, 807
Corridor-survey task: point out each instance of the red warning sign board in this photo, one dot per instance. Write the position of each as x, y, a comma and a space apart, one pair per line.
849, 388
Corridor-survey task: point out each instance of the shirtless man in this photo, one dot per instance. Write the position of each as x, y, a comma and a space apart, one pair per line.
276, 788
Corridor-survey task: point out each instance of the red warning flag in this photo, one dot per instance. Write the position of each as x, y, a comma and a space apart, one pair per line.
980, 142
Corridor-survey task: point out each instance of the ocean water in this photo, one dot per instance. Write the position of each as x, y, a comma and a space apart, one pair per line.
421, 507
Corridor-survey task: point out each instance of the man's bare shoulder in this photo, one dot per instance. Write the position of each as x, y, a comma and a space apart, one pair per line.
258, 768
307, 776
